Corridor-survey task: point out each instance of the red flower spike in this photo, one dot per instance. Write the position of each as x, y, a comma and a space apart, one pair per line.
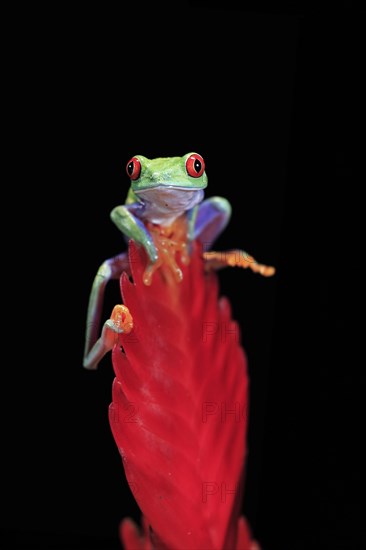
179, 410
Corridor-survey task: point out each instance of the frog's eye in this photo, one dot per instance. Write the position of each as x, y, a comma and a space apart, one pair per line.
195, 165
133, 168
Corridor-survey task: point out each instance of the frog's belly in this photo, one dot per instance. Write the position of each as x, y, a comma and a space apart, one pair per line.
162, 205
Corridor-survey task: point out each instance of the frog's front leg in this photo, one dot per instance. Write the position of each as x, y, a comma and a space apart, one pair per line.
208, 220
131, 226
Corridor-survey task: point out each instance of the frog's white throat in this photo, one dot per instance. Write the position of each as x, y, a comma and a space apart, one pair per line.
164, 204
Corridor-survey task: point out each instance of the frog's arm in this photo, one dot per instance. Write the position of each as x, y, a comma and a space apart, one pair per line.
208, 222
126, 219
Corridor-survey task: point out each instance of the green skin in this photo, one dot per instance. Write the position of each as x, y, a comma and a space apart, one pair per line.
163, 192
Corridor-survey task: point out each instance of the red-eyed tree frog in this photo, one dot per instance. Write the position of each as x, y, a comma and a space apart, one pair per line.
164, 211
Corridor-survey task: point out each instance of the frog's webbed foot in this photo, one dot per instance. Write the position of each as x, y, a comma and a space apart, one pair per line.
167, 259
236, 258
168, 242
120, 322
150, 270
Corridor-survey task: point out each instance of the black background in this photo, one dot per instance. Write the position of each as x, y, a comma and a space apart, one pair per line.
271, 98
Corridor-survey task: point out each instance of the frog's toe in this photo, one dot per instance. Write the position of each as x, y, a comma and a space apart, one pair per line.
120, 320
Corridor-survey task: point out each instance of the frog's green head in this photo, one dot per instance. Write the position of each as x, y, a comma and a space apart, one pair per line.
167, 187
186, 173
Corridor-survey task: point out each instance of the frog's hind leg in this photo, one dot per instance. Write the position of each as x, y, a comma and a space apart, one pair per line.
236, 258
96, 348
211, 218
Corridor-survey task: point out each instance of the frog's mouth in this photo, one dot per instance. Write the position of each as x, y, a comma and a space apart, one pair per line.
164, 203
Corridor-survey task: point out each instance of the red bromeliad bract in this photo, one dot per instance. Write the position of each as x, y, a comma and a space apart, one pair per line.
179, 410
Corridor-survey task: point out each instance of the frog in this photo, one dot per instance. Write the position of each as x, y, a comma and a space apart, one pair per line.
165, 211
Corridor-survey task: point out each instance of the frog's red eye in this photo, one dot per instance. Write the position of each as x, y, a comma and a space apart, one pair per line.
195, 165
133, 168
